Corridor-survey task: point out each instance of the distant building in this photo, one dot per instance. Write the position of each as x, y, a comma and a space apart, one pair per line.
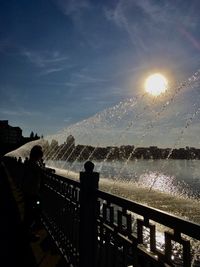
70, 141
8, 134
11, 137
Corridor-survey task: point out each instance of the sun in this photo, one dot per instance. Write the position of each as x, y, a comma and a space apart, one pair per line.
156, 84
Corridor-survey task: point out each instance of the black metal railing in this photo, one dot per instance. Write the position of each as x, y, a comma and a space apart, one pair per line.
60, 206
127, 235
93, 228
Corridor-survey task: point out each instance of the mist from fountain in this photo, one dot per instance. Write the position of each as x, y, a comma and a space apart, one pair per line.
193, 78
149, 182
115, 125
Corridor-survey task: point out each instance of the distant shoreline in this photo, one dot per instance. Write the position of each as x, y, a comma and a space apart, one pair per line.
70, 152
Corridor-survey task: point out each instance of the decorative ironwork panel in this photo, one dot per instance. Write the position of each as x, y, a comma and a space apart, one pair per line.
128, 235
183, 250
61, 214
92, 228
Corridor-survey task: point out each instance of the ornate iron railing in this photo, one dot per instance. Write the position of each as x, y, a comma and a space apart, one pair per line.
60, 207
131, 234
93, 228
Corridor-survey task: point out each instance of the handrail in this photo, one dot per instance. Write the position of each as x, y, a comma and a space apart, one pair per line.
61, 178
189, 228
94, 228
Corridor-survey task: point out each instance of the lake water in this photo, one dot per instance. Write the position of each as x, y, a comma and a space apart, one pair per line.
170, 185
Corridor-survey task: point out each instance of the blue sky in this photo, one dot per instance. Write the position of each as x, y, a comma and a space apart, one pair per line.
62, 61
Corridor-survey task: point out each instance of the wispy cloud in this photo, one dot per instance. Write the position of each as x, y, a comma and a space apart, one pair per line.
19, 112
70, 84
50, 71
44, 59
157, 19
84, 78
74, 9
70, 7
119, 16
169, 14
47, 62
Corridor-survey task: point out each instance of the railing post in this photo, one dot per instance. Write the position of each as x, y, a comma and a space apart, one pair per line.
88, 207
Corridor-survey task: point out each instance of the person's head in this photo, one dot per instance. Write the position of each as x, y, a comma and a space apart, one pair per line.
89, 166
36, 153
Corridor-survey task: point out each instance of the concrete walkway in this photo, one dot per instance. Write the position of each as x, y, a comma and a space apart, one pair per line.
15, 249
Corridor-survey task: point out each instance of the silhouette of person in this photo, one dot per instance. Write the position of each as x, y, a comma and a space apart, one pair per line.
19, 160
26, 160
31, 187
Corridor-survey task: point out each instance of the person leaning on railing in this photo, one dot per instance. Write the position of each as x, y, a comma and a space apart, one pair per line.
31, 187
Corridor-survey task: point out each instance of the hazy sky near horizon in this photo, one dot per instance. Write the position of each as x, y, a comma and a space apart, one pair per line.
62, 61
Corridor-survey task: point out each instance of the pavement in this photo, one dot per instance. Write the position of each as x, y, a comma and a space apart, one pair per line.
15, 247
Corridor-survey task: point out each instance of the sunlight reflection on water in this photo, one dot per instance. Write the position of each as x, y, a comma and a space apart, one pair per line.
175, 184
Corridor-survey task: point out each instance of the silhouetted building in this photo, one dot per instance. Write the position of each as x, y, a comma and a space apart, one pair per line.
8, 134
11, 137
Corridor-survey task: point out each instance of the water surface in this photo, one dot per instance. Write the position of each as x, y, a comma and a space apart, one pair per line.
170, 185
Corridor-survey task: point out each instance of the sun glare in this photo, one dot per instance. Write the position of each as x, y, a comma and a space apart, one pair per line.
156, 84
